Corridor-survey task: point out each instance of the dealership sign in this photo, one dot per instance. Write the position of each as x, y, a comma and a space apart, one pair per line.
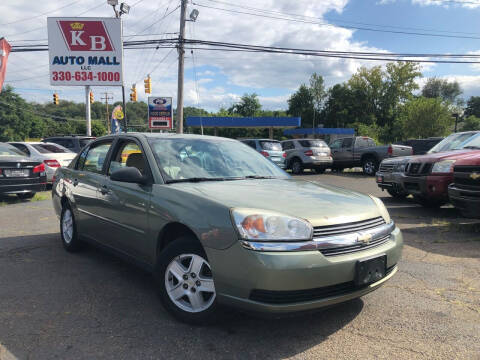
85, 51
160, 113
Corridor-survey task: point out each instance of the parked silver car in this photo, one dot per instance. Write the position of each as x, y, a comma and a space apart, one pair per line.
271, 149
52, 155
307, 154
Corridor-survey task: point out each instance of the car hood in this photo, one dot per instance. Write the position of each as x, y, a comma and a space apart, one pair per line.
470, 159
320, 204
454, 154
399, 159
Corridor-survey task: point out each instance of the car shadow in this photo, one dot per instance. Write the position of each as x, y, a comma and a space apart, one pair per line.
92, 304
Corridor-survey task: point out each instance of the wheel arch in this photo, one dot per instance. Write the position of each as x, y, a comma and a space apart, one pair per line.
370, 155
171, 232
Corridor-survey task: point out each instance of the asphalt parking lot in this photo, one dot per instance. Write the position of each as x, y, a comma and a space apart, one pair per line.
91, 305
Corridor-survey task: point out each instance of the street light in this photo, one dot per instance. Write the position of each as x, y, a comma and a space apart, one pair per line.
124, 8
194, 15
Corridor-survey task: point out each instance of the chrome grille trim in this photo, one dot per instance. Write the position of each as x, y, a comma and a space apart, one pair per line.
379, 235
322, 231
386, 168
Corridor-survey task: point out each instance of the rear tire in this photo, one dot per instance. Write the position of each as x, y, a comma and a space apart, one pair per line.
25, 196
185, 282
297, 167
370, 166
68, 230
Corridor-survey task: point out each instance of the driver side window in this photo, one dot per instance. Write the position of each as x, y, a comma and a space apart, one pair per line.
336, 144
128, 154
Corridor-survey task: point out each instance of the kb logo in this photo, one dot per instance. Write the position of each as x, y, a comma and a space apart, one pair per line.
85, 35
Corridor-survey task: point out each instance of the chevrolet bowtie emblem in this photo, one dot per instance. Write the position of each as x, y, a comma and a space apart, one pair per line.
364, 238
474, 176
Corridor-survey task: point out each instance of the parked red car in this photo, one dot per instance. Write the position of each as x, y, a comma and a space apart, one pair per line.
464, 193
427, 177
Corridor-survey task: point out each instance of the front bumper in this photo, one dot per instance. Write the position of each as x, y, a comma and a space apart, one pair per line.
430, 186
467, 200
239, 273
389, 180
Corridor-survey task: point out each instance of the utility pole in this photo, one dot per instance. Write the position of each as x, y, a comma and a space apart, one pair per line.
87, 110
181, 60
107, 113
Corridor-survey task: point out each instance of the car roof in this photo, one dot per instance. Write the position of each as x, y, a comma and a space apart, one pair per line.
166, 136
261, 139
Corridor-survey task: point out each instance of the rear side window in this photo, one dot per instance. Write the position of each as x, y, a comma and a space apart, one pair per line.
347, 143
312, 143
250, 143
287, 145
85, 141
22, 148
49, 148
95, 158
271, 145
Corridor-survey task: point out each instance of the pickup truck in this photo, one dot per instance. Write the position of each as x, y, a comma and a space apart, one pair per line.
362, 151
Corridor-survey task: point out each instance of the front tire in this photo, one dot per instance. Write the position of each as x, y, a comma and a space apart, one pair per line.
397, 194
68, 230
185, 281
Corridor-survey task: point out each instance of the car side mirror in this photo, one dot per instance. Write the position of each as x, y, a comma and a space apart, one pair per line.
129, 175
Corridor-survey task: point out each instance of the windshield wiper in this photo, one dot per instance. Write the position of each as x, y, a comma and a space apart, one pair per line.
194, 179
471, 147
259, 177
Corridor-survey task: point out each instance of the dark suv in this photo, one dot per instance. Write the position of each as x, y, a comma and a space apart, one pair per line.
72, 142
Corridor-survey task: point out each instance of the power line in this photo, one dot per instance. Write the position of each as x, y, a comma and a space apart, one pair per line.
336, 20
40, 15
345, 26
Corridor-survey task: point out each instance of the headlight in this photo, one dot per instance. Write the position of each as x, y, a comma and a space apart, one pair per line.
254, 224
400, 167
444, 166
383, 210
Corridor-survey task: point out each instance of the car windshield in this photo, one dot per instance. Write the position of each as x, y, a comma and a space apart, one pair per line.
312, 143
473, 143
208, 160
50, 148
9, 150
271, 145
452, 142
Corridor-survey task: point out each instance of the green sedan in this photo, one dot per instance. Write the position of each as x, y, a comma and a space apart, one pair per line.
218, 224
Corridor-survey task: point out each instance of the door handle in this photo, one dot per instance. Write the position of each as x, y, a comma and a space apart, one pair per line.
104, 190
75, 182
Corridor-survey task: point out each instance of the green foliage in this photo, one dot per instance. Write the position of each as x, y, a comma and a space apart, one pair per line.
441, 88
249, 105
424, 117
471, 123
301, 104
473, 106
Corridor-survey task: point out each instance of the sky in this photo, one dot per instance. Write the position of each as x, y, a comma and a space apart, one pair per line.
215, 79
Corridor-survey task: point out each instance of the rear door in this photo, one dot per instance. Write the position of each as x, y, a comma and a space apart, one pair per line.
125, 205
87, 179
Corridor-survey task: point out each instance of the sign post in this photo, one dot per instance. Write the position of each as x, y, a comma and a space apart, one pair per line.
85, 52
160, 114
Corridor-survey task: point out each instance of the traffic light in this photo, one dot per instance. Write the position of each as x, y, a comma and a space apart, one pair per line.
133, 94
148, 85
92, 99
55, 98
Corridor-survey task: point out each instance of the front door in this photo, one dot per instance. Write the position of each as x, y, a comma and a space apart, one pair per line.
125, 205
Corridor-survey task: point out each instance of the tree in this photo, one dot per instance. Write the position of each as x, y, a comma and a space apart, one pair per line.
471, 123
301, 104
473, 106
249, 105
441, 88
424, 117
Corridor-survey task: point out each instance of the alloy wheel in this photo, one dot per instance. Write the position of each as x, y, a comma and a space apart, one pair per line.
369, 167
189, 283
67, 226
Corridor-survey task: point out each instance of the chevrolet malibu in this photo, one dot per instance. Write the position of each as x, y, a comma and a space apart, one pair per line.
218, 224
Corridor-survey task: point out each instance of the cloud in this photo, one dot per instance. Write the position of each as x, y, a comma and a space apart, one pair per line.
446, 4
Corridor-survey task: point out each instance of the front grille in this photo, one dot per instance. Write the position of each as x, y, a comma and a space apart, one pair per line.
467, 168
347, 228
354, 248
386, 168
296, 296
466, 181
418, 168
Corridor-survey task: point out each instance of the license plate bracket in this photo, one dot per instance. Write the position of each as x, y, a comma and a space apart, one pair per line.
16, 173
368, 271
